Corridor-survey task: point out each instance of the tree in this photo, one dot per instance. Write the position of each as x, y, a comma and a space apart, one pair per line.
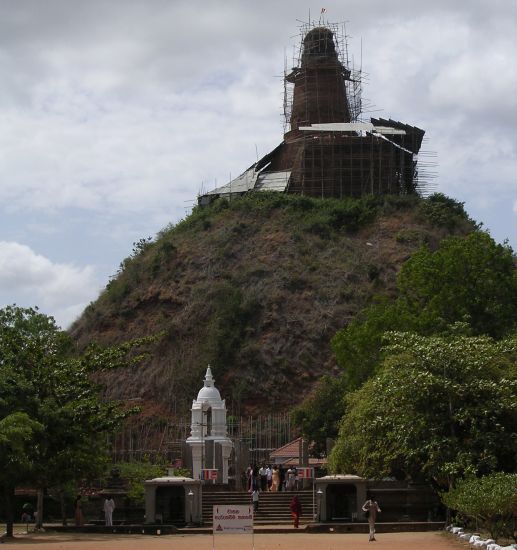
319, 415
491, 501
439, 407
16, 434
467, 279
471, 279
52, 416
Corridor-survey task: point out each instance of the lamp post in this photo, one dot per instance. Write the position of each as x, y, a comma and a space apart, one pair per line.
190, 496
319, 494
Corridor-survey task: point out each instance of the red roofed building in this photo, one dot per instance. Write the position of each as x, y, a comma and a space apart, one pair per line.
296, 453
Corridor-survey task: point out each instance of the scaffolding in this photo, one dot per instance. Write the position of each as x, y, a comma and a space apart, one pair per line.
156, 440
346, 77
329, 148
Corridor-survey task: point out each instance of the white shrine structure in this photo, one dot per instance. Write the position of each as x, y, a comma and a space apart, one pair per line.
209, 441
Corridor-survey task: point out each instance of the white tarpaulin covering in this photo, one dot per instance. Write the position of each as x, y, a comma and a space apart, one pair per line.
339, 127
256, 181
243, 183
272, 181
352, 127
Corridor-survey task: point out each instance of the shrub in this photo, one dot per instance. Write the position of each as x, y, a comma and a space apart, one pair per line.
117, 290
443, 211
136, 473
491, 501
412, 236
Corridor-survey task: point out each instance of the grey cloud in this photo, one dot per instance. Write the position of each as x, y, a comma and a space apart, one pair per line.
37, 280
120, 111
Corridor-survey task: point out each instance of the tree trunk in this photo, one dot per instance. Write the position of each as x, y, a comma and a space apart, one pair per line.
39, 522
9, 511
63, 506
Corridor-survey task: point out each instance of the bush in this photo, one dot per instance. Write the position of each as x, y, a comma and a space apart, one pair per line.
443, 211
491, 501
232, 312
135, 473
117, 290
412, 236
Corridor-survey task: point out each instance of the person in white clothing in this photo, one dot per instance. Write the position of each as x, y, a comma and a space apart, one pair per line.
269, 473
263, 477
371, 507
109, 506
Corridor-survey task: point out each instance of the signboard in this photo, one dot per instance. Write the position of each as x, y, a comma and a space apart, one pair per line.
209, 474
305, 473
229, 519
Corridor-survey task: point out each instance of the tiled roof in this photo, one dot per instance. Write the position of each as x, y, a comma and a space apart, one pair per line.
312, 462
290, 450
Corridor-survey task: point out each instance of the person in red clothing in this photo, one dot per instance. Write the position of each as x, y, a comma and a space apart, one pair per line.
296, 510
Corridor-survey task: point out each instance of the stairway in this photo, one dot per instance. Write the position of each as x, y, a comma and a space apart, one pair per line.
273, 506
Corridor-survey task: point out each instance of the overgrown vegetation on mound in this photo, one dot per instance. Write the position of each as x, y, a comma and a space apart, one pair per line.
257, 286
325, 218
467, 285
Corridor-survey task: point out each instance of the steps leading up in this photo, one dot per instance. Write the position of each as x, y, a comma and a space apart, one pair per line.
273, 506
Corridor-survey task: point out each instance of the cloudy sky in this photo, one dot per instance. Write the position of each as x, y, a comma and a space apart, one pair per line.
115, 114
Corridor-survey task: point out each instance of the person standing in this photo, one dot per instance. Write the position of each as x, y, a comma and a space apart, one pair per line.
263, 477
276, 479
27, 512
269, 473
78, 511
371, 507
255, 499
291, 474
281, 470
296, 510
109, 506
249, 476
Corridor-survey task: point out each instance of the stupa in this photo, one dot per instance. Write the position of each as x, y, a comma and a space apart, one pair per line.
209, 442
329, 149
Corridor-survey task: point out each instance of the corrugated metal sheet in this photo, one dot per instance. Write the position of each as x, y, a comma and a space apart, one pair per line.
272, 181
353, 127
388, 130
243, 183
339, 127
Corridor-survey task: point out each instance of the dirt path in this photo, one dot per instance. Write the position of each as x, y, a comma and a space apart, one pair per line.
290, 541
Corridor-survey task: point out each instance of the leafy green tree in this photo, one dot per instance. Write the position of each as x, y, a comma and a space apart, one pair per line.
439, 407
357, 347
53, 422
471, 279
491, 501
17, 431
135, 473
318, 416
467, 279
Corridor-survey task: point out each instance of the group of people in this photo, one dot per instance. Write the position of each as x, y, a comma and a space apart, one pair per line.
108, 508
271, 478
295, 506
276, 478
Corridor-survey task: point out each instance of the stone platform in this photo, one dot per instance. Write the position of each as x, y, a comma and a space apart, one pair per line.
392, 527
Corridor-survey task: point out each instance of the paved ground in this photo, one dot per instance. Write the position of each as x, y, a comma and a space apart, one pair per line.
287, 541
